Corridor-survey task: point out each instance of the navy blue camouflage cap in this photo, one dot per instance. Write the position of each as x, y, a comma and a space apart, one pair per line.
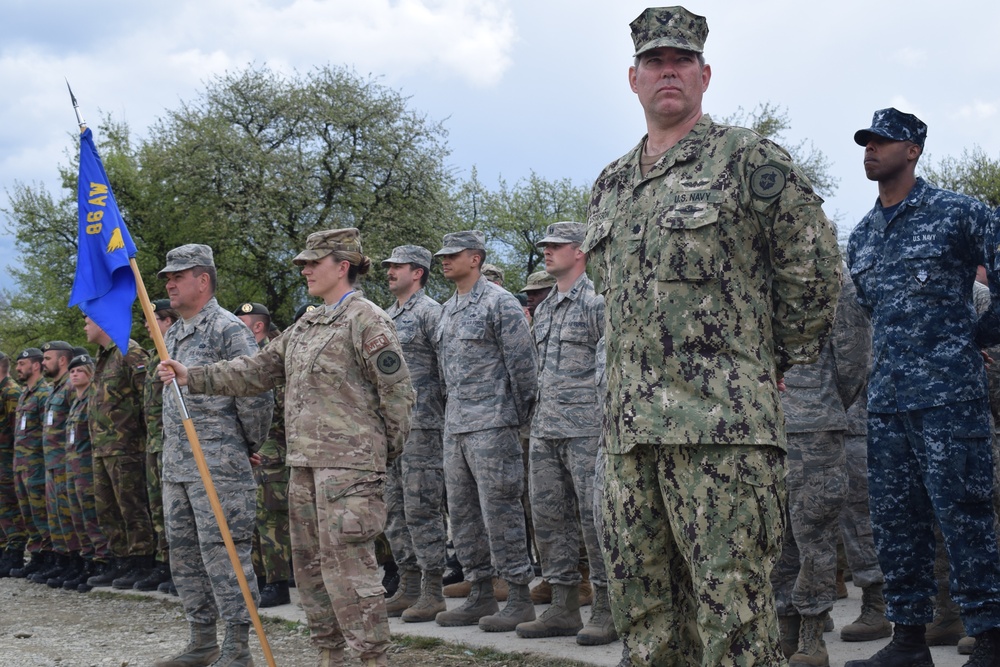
59, 345
30, 353
321, 244
564, 232
893, 124
458, 241
410, 254
187, 257
674, 27
252, 308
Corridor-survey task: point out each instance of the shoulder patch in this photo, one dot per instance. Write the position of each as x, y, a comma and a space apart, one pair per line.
376, 344
388, 362
767, 181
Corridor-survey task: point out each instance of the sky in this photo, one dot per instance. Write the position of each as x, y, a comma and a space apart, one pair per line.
522, 86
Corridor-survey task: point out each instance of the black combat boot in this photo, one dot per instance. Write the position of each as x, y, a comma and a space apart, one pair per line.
111, 571
53, 564
36, 563
274, 594
86, 572
9, 559
908, 648
987, 650
139, 568
154, 578
73, 567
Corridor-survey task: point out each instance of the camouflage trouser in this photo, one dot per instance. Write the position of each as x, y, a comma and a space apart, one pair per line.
122, 507
484, 475
691, 535
83, 507
272, 546
12, 529
61, 532
926, 463
414, 498
561, 483
335, 516
154, 492
805, 577
856, 518
30, 488
199, 563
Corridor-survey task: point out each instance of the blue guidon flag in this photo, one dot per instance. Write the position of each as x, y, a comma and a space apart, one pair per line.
104, 286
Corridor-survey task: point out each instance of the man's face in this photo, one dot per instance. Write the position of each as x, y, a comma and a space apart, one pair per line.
50, 363
26, 369
92, 331
535, 297
184, 289
401, 278
886, 159
458, 266
670, 84
255, 325
560, 258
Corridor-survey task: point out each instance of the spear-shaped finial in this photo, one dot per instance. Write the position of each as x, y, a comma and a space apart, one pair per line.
76, 107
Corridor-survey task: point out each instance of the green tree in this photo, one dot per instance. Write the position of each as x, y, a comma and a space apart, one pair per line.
975, 174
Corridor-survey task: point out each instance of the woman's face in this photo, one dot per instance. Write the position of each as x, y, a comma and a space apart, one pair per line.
325, 277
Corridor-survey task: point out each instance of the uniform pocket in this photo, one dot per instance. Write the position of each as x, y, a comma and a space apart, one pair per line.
689, 242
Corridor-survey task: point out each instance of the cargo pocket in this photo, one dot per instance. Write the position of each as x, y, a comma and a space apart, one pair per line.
360, 519
975, 446
761, 474
689, 242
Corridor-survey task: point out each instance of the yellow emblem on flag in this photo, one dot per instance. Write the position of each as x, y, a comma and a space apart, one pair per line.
116, 242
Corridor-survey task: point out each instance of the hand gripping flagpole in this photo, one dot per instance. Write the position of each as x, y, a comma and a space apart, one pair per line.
192, 435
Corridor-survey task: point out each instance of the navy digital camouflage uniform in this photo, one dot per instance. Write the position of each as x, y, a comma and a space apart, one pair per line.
12, 536
929, 431
61, 531
488, 365
414, 491
29, 465
229, 430
565, 431
815, 402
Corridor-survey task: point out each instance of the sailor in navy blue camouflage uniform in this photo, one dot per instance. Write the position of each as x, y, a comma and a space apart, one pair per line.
913, 258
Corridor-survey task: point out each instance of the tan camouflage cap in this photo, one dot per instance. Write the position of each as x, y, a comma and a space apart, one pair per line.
493, 273
321, 244
675, 27
564, 232
410, 254
187, 257
539, 280
459, 241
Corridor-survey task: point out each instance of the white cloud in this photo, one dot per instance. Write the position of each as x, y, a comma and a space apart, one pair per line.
909, 57
977, 110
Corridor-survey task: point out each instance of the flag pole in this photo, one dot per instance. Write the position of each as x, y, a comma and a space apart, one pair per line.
192, 435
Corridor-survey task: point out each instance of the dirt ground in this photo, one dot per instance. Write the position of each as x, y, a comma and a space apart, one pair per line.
43, 627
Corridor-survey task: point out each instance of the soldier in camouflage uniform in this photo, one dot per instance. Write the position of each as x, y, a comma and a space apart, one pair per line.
272, 545
415, 523
230, 430
29, 461
493, 273
719, 272
80, 474
913, 258
348, 401
11, 522
158, 578
118, 442
815, 402
488, 365
565, 431
65, 544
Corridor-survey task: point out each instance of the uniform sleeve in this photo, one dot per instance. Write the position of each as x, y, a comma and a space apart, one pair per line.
805, 258
385, 367
518, 351
245, 376
988, 326
137, 362
852, 345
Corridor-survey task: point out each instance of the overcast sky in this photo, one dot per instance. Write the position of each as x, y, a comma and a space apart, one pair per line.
522, 85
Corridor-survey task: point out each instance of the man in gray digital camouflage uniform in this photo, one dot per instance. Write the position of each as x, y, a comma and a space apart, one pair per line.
414, 493
487, 361
230, 430
719, 272
565, 431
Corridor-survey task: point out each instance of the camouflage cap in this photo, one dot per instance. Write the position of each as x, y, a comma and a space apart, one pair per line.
30, 353
252, 308
410, 254
493, 273
81, 360
564, 232
60, 345
675, 27
459, 241
321, 244
895, 125
187, 257
539, 280
160, 305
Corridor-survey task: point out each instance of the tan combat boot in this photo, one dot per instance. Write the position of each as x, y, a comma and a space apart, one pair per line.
600, 629
542, 593
235, 647
812, 649
946, 629
872, 623
430, 602
478, 604
406, 595
788, 633
561, 619
462, 588
331, 657
202, 648
519, 609
586, 590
